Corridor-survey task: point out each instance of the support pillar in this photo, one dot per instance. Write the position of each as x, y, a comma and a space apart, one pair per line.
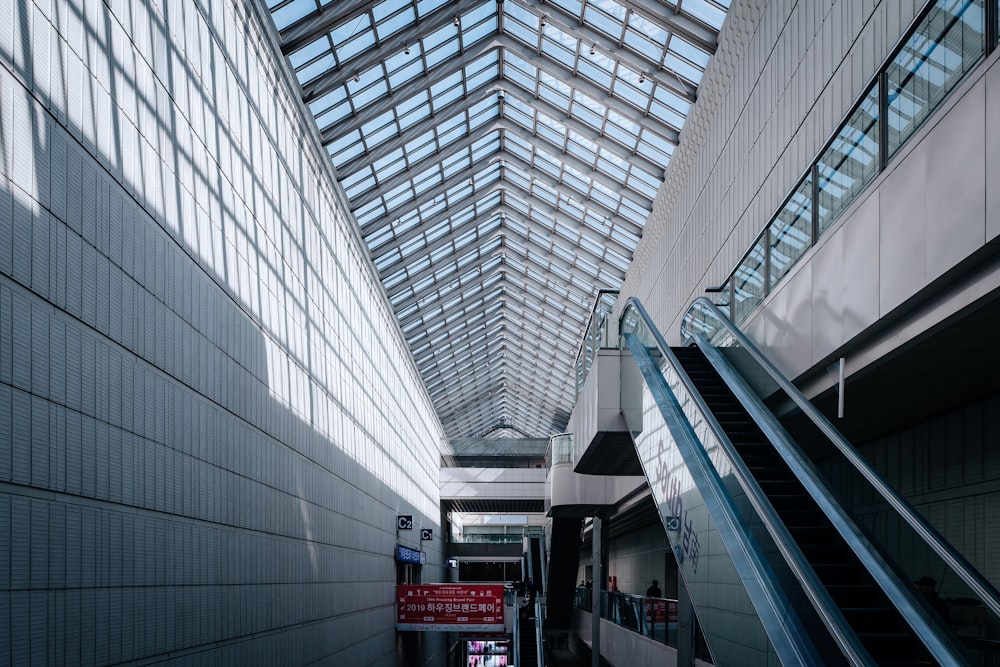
595, 596
685, 627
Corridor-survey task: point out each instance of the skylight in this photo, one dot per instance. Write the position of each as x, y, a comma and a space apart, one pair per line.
501, 160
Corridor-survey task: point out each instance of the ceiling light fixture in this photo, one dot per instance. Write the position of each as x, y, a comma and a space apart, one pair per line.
406, 49
457, 22
593, 48
357, 77
642, 77
545, 18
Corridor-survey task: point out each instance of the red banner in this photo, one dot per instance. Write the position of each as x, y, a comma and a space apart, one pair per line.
447, 607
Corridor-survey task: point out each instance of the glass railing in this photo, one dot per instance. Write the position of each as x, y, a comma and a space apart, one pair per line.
560, 450
602, 331
952, 588
948, 40
655, 618
488, 538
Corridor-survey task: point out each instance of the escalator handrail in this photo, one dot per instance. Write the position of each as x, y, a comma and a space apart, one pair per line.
782, 625
978, 585
829, 613
539, 644
516, 644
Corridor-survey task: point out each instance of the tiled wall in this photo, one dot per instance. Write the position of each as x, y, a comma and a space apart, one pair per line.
785, 77
203, 438
948, 468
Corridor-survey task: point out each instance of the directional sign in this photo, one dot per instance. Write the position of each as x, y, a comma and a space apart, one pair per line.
404, 522
426, 534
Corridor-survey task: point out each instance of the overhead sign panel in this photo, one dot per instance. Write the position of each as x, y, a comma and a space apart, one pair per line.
450, 607
408, 555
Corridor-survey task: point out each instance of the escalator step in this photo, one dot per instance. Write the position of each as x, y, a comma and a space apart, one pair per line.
782, 487
836, 573
869, 617
895, 644
804, 517
855, 595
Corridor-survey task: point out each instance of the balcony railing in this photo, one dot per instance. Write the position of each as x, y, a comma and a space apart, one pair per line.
655, 618
601, 332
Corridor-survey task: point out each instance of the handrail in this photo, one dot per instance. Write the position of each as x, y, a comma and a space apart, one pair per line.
783, 626
516, 644
829, 613
539, 645
982, 589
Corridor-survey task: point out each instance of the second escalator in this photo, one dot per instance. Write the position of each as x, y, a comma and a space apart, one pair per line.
877, 623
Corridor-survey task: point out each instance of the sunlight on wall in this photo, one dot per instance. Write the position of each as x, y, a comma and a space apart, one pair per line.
186, 109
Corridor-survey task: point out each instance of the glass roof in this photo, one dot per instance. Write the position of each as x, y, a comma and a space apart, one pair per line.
501, 159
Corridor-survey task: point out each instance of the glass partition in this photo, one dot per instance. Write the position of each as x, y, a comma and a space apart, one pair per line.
560, 450
945, 45
723, 297
748, 282
850, 162
790, 235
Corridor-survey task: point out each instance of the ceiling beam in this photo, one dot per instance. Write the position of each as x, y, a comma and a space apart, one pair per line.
635, 60
702, 36
588, 203
505, 231
455, 206
361, 118
443, 315
623, 107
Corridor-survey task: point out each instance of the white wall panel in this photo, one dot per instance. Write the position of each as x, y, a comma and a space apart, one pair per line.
956, 184
992, 155
903, 224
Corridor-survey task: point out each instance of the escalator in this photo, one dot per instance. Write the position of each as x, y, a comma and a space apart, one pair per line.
777, 570
561, 584
876, 622
528, 649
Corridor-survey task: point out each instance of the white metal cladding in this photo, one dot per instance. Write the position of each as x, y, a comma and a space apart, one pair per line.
501, 159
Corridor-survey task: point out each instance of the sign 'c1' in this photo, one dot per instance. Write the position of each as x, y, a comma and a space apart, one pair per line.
426, 534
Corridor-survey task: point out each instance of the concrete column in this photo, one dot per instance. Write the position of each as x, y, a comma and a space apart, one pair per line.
595, 597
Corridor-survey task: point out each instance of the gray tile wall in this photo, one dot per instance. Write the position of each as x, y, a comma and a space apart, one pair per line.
203, 438
785, 76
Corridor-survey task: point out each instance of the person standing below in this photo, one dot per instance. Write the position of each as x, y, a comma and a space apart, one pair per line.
654, 590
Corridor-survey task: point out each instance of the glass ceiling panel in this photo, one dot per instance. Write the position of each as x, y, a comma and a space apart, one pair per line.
494, 184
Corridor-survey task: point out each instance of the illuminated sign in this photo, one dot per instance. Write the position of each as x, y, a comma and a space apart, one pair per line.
408, 555
450, 607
